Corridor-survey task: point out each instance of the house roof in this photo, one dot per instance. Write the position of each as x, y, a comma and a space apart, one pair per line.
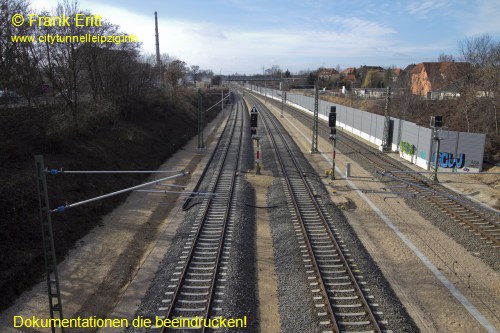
409, 68
328, 71
441, 73
350, 77
445, 67
348, 70
396, 71
371, 67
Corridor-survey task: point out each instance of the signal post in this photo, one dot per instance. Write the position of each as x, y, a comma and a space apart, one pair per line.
332, 119
436, 124
253, 129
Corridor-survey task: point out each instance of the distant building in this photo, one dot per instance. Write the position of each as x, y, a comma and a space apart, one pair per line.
351, 81
450, 91
349, 71
370, 92
395, 74
434, 76
327, 73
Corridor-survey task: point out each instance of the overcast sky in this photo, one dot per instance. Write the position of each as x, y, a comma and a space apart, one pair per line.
241, 36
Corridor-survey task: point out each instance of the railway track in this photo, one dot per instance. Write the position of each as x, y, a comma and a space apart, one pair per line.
482, 223
340, 296
197, 284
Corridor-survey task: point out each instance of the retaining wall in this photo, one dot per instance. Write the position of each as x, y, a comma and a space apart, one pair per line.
417, 140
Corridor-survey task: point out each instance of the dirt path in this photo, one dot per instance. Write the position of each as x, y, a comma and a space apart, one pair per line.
269, 319
429, 302
97, 273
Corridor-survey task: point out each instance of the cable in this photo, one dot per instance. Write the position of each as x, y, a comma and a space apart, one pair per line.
263, 207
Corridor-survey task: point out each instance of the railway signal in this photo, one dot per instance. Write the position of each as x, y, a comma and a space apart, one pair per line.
332, 123
436, 124
253, 126
436, 121
253, 120
386, 139
332, 117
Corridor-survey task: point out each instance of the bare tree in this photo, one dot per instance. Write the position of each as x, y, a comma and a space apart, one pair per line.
476, 50
390, 76
62, 62
97, 59
18, 71
9, 51
174, 73
274, 71
445, 58
480, 81
195, 73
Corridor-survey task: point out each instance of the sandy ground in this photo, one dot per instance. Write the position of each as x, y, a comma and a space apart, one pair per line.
96, 275
428, 301
484, 189
267, 284
110, 270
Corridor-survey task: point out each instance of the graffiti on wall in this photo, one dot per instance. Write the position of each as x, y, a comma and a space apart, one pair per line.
446, 160
407, 148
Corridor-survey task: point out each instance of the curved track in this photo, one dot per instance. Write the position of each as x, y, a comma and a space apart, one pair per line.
484, 224
338, 293
198, 281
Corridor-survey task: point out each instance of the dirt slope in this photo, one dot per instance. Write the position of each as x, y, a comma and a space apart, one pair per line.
140, 135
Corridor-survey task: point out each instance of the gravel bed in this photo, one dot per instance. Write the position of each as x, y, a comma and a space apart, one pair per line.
478, 247
389, 304
240, 289
462, 236
296, 306
293, 295
472, 243
240, 295
295, 302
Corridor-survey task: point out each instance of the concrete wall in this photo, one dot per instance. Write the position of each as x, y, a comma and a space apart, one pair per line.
370, 127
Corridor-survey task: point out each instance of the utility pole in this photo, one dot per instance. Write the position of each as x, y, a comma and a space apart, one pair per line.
222, 97
282, 98
265, 91
314, 146
49, 252
201, 117
386, 144
158, 61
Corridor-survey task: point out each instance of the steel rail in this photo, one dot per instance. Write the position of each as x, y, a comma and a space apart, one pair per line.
207, 167
200, 227
226, 219
323, 219
382, 162
493, 239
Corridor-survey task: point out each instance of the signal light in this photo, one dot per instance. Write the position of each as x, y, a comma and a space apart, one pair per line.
253, 120
436, 121
332, 117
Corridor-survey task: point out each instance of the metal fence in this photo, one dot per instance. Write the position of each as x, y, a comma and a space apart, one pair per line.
370, 127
